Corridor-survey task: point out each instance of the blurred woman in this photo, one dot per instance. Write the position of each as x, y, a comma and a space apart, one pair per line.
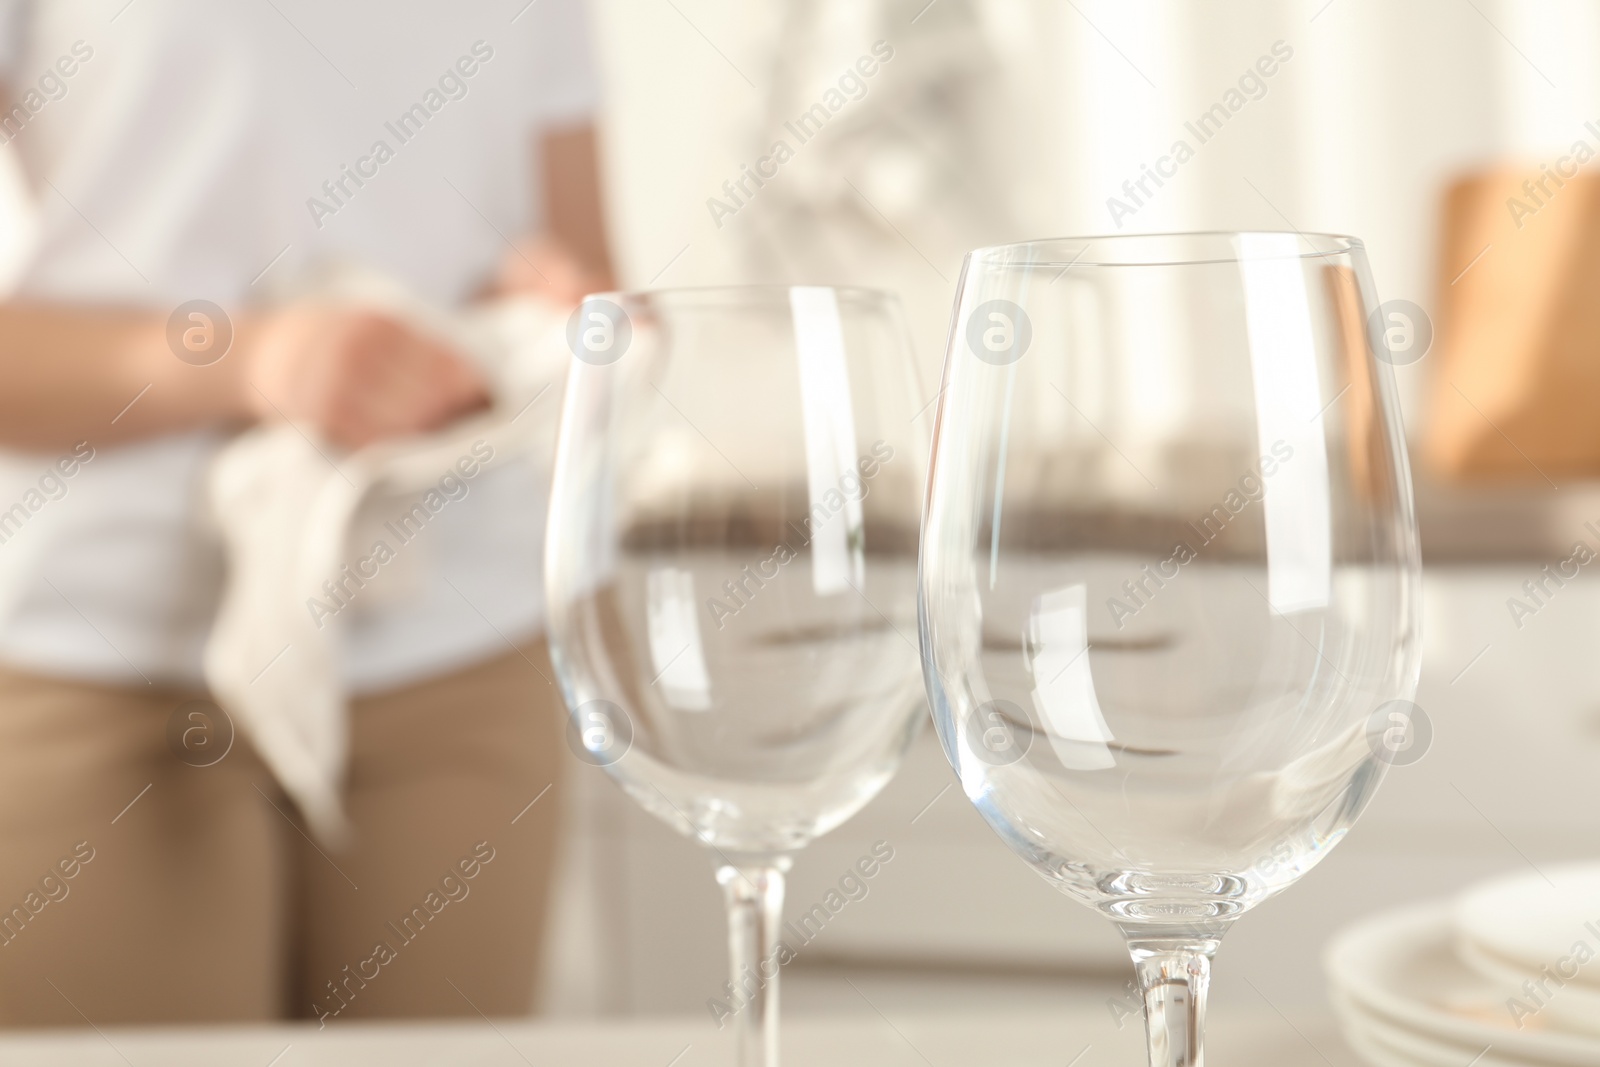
184, 150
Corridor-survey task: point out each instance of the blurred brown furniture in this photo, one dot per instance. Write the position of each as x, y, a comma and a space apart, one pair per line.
1516, 366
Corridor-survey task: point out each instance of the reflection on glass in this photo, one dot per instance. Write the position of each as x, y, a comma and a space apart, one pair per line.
673, 628
1063, 692
830, 434
1283, 364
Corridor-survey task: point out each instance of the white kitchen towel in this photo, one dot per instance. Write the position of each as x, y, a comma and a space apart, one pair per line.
285, 501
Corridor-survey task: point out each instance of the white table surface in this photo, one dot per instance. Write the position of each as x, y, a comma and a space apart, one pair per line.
1080, 1035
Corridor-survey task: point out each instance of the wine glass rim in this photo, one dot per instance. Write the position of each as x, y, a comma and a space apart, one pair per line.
1148, 249
752, 294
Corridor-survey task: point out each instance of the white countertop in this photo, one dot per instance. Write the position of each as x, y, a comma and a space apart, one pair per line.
1080, 1035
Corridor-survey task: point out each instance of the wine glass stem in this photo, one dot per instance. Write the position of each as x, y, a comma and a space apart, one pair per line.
754, 893
1174, 974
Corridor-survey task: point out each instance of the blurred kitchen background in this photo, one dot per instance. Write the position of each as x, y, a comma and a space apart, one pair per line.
1409, 125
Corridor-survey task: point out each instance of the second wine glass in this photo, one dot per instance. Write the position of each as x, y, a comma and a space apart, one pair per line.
1170, 576
731, 573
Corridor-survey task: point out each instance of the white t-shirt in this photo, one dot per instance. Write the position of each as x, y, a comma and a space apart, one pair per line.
191, 149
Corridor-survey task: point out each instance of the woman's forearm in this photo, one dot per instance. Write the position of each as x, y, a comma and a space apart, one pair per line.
351, 375
69, 374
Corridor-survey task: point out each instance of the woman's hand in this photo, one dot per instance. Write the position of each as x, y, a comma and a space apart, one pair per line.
541, 266
570, 259
358, 376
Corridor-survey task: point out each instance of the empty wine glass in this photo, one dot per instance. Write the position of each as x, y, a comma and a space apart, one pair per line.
731, 573
1170, 575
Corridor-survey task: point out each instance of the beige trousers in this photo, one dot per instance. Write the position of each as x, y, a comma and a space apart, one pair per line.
135, 887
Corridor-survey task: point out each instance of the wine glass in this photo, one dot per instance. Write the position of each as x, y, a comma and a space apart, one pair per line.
1169, 575
731, 573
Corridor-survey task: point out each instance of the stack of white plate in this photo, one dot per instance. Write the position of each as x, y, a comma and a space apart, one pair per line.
1507, 975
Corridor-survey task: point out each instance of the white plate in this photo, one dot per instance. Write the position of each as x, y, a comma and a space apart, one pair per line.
1574, 1005
1402, 966
1424, 1050
1533, 923
1377, 1053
